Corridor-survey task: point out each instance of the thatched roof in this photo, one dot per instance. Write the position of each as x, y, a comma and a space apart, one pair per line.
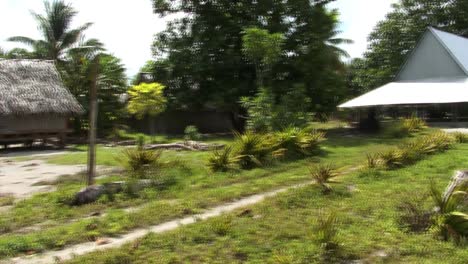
32, 87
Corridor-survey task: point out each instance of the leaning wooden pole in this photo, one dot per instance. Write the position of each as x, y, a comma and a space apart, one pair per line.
93, 105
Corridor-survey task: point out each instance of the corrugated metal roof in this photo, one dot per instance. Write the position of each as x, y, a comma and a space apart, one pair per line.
456, 45
414, 93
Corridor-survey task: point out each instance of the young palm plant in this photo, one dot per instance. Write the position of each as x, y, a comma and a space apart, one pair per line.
323, 174
252, 149
222, 160
450, 222
326, 231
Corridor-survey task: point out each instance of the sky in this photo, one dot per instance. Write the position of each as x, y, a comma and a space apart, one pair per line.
127, 27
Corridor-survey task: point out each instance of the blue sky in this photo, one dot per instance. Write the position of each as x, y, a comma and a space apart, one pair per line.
127, 26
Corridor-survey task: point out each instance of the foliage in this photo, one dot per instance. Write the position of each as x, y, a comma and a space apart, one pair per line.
263, 49
111, 83
322, 175
265, 115
251, 149
460, 137
142, 163
55, 27
222, 160
449, 222
412, 151
372, 161
297, 142
191, 133
146, 99
202, 58
327, 230
414, 124
395, 36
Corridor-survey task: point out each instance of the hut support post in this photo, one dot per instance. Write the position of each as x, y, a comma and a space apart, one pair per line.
92, 125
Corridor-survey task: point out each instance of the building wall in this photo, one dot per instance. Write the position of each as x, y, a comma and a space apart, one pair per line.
25, 124
429, 60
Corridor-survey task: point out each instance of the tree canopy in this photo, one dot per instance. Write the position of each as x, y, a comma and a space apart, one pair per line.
56, 31
201, 56
146, 99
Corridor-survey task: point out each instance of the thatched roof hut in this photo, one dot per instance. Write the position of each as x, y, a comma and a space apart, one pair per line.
34, 102
34, 87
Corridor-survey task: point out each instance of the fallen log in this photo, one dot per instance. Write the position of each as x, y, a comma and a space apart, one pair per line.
186, 145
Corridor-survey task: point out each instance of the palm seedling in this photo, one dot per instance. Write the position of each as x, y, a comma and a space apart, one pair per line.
323, 174
450, 222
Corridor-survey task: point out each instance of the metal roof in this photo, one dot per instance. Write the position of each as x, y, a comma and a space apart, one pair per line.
456, 45
414, 93
427, 91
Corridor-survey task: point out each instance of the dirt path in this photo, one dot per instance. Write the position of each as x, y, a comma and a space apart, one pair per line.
84, 248
25, 178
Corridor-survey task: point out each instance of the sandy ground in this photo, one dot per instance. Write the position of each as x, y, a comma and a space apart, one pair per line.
21, 178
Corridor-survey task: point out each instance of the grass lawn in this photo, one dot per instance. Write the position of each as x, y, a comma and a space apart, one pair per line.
281, 230
195, 189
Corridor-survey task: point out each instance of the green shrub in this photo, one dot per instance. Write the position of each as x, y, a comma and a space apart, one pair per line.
372, 161
141, 163
413, 124
404, 127
450, 223
322, 175
391, 158
222, 160
251, 149
326, 233
460, 137
412, 151
295, 142
191, 133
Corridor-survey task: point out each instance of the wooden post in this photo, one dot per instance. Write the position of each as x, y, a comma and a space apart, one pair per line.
92, 122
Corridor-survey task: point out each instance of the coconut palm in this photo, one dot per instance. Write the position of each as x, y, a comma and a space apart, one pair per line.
57, 35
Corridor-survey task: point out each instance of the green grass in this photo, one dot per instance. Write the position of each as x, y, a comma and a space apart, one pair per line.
196, 188
281, 230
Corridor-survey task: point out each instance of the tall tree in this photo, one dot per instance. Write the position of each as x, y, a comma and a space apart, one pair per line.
204, 63
263, 49
56, 31
394, 37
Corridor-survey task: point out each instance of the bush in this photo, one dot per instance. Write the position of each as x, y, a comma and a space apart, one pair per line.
412, 151
460, 137
295, 142
265, 114
322, 174
222, 160
141, 163
450, 223
191, 133
414, 124
326, 232
251, 149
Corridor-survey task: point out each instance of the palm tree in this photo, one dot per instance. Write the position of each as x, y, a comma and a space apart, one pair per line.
57, 35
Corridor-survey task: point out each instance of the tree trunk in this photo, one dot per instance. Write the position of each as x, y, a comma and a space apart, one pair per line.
92, 124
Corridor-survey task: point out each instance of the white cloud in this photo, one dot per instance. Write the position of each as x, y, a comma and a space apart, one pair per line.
127, 27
